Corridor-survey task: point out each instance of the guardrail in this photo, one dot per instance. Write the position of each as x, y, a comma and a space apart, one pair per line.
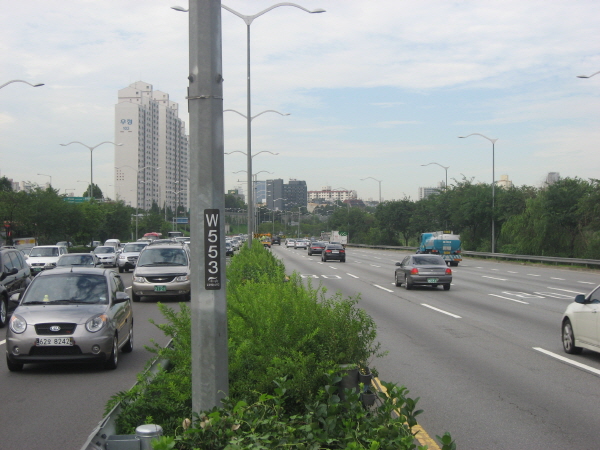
508, 256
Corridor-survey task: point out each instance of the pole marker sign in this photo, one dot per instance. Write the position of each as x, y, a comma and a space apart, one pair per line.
212, 244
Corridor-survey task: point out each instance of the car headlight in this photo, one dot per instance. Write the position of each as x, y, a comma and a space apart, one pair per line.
122, 257
182, 278
51, 264
96, 323
139, 279
17, 324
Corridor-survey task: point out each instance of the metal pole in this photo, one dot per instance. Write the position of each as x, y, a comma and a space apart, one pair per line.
493, 194
210, 382
249, 143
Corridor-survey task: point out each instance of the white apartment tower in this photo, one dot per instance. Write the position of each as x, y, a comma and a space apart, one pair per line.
152, 165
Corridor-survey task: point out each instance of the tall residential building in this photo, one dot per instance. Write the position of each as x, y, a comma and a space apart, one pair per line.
504, 182
425, 192
552, 178
282, 196
152, 165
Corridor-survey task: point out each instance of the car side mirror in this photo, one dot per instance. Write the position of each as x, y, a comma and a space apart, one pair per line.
398, 264
15, 298
580, 298
121, 297
12, 271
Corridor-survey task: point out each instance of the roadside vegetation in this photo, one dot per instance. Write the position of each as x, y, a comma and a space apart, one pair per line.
287, 341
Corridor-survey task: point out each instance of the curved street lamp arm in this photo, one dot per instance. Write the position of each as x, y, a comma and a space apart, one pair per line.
91, 148
269, 110
21, 81
588, 76
443, 167
479, 134
248, 19
371, 178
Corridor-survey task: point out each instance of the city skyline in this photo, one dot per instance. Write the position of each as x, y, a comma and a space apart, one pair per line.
375, 89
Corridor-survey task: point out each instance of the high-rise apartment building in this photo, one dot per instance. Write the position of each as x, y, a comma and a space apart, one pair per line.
152, 165
281, 196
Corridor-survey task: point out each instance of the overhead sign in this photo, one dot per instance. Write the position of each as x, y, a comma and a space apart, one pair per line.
77, 199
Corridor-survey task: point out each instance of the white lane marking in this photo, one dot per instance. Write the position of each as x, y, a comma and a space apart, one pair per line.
440, 310
533, 275
568, 361
373, 265
586, 282
375, 257
336, 277
3, 342
380, 287
511, 271
495, 269
308, 275
511, 299
566, 290
554, 295
494, 278
554, 278
128, 288
334, 268
353, 276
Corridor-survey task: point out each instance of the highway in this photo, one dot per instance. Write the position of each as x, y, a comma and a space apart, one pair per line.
486, 357
56, 407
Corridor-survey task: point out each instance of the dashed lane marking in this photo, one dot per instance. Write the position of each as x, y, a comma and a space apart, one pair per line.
511, 299
353, 276
568, 361
381, 287
494, 278
441, 310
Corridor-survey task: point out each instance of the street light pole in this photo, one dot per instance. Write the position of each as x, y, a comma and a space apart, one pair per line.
443, 167
587, 76
379, 181
43, 174
21, 81
91, 160
493, 141
248, 19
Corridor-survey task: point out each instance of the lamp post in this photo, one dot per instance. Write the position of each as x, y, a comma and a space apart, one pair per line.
21, 81
91, 160
379, 181
176, 204
443, 167
43, 174
248, 19
493, 141
248, 154
251, 197
587, 76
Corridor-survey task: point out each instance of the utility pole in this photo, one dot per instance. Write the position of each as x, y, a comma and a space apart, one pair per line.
210, 382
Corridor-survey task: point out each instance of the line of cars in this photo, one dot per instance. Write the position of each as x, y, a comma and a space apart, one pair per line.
328, 250
79, 311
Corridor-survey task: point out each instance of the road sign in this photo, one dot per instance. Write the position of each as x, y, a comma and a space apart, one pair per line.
181, 220
77, 199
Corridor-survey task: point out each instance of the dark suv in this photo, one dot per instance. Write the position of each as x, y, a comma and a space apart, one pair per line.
276, 240
15, 276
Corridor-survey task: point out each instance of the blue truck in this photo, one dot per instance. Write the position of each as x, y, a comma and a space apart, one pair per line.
442, 243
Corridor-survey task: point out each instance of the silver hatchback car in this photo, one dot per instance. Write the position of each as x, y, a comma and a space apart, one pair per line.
70, 314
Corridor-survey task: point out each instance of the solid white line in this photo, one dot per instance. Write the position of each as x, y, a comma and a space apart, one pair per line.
440, 310
568, 361
586, 282
566, 290
511, 299
494, 278
380, 287
353, 276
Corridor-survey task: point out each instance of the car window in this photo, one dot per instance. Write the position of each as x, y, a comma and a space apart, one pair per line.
43, 252
119, 283
104, 250
21, 259
7, 263
67, 288
162, 257
595, 296
133, 248
406, 260
428, 261
15, 260
76, 260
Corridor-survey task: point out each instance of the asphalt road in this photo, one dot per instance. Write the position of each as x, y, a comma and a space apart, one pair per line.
56, 407
486, 357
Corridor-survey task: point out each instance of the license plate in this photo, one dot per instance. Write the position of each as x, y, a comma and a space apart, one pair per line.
334, 251
160, 289
432, 280
54, 341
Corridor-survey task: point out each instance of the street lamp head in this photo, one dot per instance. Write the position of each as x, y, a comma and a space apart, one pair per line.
179, 8
317, 11
587, 76
38, 85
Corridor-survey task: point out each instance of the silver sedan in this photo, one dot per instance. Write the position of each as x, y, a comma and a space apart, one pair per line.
423, 270
70, 314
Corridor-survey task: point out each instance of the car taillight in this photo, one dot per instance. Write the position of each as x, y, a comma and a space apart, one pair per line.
342, 251
435, 251
327, 251
448, 271
414, 271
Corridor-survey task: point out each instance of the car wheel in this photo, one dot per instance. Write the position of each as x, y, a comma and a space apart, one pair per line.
568, 338
3, 311
342, 260
121, 270
408, 285
13, 366
309, 254
128, 347
112, 362
135, 297
398, 282
447, 287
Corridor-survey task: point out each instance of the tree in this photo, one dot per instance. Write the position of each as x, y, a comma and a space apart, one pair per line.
96, 191
5, 185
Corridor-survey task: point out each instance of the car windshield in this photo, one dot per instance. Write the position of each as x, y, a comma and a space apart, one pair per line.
162, 257
43, 251
133, 248
76, 260
67, 288
104, 250
428, 261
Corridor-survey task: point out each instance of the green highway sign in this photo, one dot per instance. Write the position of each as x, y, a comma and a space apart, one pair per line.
77, 199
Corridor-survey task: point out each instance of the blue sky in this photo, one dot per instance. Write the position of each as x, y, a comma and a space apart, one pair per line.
374, 88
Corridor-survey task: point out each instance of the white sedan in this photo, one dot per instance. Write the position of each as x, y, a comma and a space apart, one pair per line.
581, 323
290, 243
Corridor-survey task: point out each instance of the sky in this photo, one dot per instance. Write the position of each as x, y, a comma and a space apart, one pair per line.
375, 89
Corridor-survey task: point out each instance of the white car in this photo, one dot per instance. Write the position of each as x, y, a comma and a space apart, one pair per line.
43, 257
290, 243
302, 243
107, 255
580, 324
